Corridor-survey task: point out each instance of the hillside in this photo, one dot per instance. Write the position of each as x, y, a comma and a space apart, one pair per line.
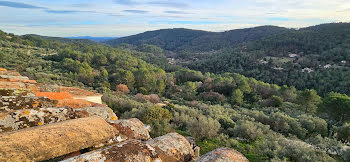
68, 129
194, 40
262, 121
307, 58
315, 57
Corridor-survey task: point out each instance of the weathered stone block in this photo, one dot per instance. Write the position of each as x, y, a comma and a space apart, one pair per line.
20, 119
54, 140
172, 147
131, 129
129, 151
9, 103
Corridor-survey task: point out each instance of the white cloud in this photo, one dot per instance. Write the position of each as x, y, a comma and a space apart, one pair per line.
108, 18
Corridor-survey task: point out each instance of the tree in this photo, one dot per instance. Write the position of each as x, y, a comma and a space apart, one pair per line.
124, 77
288, 93
2, 56
313, 125
248, 130
100, 59
189, 90
159, 128
213, 97
104, 73
155, 113
343, 133
326, 144
308, 100
276, 101
337, 106
122, 88
237, 97
203, 127
242, 83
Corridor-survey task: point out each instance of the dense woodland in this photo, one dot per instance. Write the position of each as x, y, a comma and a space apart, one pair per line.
266, 122
264, 53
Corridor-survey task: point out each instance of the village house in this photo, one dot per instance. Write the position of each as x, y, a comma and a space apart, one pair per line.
309, 70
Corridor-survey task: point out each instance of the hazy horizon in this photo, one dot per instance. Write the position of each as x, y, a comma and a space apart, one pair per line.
118, 18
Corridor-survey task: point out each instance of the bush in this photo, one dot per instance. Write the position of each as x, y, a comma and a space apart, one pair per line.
343, 133
213, 97
249, 130
155, 113
120, 103
154, 98
273, 101
159, 128
313, 125
123, 88
203, 127
326, 144
286, 125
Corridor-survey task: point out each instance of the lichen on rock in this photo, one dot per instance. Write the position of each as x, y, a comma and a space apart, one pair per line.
132, 150
223, 155
131, 128
54, 140
172, 147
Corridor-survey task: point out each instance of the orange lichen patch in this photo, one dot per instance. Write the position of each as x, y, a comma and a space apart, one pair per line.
73, 103
40, 123
55, 95
26, 112
2, 69
78, 92
36, 104
114, 118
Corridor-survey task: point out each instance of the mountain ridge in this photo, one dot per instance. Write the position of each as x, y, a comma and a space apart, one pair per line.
96, 39
177, 39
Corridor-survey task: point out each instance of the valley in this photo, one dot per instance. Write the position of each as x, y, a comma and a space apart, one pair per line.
271, 93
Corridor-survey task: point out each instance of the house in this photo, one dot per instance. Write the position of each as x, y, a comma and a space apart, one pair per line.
263, 61
327, 66
293, 55
309, 70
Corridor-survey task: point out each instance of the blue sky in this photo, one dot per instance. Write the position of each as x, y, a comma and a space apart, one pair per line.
126, 17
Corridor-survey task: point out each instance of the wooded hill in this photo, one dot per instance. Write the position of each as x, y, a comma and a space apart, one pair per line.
316, 57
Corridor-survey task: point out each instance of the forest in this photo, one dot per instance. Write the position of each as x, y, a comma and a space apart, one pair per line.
261, 117
315, 57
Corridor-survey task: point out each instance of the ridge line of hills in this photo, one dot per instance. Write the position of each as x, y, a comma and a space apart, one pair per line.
307, 58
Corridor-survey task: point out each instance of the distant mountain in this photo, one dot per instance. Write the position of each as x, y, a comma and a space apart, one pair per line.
180, 39
169, 39
96, 39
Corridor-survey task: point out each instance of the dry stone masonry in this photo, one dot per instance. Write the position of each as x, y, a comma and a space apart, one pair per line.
52, 123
